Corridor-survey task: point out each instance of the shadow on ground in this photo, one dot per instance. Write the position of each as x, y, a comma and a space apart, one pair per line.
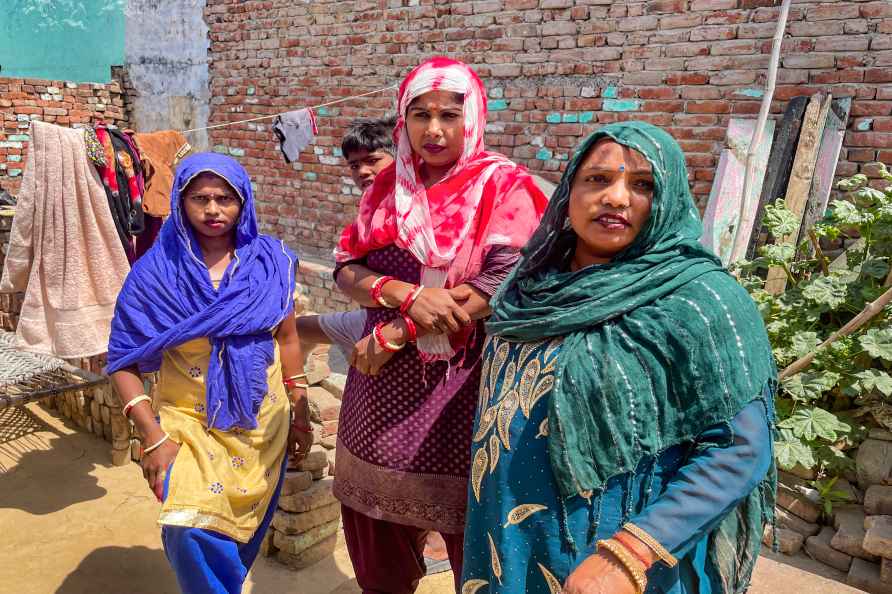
35, 453
104, 570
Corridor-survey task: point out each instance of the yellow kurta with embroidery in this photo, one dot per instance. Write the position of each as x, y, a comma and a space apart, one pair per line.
220, 480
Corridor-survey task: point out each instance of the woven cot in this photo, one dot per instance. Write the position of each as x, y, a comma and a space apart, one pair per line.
28, 376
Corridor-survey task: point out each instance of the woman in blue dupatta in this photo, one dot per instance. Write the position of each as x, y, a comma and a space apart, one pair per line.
624, 428
211, 306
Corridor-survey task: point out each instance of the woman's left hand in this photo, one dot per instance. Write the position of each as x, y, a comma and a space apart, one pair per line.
368, 357
299, 441
601, 573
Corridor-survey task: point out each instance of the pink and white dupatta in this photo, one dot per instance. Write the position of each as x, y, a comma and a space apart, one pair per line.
485, 200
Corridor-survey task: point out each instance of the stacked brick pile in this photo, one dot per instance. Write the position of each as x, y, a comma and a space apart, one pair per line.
304, 528
856, 537
554, 70
57, 102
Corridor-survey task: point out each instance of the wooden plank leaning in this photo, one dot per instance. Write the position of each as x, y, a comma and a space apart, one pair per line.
801, 176
777, 174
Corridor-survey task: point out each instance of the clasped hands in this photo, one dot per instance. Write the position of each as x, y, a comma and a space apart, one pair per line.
435, 311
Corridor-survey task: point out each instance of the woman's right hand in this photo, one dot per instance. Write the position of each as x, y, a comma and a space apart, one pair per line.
436, 311
156, 463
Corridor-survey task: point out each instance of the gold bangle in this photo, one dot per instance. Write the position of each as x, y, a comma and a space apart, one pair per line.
651, 543
629, 563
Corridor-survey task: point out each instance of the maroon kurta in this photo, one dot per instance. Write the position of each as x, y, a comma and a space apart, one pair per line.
404, 437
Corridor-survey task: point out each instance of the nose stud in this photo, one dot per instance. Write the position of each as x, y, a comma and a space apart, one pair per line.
622, 168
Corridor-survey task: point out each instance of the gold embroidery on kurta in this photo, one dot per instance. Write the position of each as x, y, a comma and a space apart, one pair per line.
494, 449
478, 468
494, 559
487, 420
507, 410
471, 586
522, 512
525, 389
553, 584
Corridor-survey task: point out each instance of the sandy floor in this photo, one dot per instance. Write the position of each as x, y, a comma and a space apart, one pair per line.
73, 524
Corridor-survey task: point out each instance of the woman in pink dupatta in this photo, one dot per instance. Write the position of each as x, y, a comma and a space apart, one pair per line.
434, 237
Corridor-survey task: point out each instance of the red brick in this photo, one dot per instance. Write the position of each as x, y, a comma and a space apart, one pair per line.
687, 78
871, 108
661, 6
833, 11
842, 43
740, 46
713, 4
642, 23
869, 139
837, 76
708, 107
681, 21
876, 9
875, 75
657, 93
756, 3
701, 92
882, 125
860, 155
809, 61
713, 33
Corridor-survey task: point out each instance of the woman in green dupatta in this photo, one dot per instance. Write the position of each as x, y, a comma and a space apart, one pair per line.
623, 434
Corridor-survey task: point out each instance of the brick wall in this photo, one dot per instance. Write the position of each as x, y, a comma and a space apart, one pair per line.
554, 69
59, 102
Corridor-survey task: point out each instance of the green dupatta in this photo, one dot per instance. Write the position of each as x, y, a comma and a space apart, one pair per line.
659, 344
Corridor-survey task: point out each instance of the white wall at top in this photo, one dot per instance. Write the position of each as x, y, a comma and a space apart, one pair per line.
166, 55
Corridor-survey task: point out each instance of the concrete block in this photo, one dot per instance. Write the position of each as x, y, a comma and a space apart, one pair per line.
866, 576
818, 548
849, 537
318, 495
296, 544
315, 460
310, 556
878, 500
874, 463
793, 522
296, 481
788, 542
878, 538
291, 523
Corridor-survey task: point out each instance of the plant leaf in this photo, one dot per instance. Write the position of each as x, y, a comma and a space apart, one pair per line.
780, 220
826, 290
876, 268
878, 343
790, 451
813, 422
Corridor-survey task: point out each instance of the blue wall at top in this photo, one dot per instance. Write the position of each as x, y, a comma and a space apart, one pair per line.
71, 40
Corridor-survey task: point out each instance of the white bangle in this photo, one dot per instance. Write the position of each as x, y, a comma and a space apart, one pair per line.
155, 445
129, 406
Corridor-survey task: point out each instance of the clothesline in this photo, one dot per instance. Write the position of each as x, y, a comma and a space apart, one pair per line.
267, 117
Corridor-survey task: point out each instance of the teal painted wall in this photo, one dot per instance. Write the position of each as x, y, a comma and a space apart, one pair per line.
71, 40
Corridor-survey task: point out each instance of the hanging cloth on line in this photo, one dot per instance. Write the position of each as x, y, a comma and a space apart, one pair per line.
295, 130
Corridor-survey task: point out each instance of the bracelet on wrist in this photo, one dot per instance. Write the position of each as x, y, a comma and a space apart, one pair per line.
390, 347
156, 445
411, 298
626, 540
629, 563
292, 385
411, 328
651, 543
376, 291
133, 402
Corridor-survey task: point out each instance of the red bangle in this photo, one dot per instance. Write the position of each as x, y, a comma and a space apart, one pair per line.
411, 298
376, 291
411, 328
621, 539
382, 342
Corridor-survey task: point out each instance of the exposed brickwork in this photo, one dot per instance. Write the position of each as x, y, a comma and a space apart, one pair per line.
554, 69
59, 102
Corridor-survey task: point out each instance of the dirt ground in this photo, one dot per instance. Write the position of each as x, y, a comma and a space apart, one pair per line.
70, 523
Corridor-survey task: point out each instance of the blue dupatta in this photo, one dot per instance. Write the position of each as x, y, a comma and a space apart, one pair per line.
168, 299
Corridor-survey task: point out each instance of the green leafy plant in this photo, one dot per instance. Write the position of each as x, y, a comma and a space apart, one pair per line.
829, 496
821, 410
